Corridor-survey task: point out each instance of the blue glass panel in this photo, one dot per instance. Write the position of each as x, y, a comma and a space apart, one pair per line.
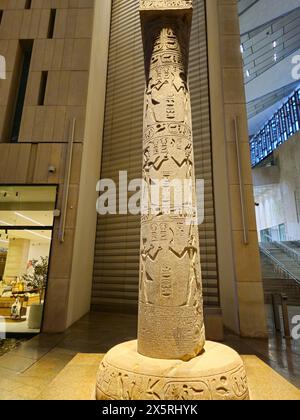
283, 124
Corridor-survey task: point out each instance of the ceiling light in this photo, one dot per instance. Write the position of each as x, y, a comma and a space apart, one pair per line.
248, 73
274, 44
242, 48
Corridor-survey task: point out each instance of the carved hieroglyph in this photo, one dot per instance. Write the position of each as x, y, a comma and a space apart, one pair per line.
170, 298
218, 374
165, 4
170, 360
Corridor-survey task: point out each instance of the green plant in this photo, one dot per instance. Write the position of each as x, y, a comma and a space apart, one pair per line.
38, 279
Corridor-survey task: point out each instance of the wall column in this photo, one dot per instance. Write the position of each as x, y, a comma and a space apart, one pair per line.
241, 288
85, 231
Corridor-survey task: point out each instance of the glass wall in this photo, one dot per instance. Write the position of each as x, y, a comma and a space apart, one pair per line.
282, 125
269, 50
26, 223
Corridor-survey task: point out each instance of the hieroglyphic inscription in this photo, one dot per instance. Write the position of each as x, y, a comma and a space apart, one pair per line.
161, 4
171, 305
117, 384
170, 360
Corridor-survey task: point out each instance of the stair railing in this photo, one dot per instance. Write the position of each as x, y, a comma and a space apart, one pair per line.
286, 249
278, 266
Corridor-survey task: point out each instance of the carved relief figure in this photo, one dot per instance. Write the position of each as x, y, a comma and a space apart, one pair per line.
172, 280
166, 100
170, 323
186, 160
167, 96
192, 251
145, 277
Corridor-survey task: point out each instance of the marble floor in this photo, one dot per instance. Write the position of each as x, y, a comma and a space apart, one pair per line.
10, 344
29, 369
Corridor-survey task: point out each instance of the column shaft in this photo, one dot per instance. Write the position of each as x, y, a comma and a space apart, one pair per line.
170, 296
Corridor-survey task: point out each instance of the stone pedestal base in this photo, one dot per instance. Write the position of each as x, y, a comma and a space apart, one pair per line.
217, 374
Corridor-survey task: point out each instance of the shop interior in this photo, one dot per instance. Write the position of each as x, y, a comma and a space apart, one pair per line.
26, 223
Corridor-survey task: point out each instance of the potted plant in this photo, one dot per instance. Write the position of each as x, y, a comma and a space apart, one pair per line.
39, 276
37, 280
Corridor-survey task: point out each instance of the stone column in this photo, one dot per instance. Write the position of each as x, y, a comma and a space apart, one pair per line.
170, 299
170, 360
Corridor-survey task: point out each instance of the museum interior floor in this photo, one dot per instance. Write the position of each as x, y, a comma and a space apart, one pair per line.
29, 369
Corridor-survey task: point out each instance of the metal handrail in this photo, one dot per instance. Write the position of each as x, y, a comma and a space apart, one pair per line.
241, 182
286, 249
68, 167
279, 267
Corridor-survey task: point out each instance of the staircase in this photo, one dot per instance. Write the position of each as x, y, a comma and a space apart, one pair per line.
268, 268
282, 286
285, 258
294, 245
277, 267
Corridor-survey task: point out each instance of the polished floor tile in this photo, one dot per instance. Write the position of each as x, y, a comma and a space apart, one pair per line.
28, 370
